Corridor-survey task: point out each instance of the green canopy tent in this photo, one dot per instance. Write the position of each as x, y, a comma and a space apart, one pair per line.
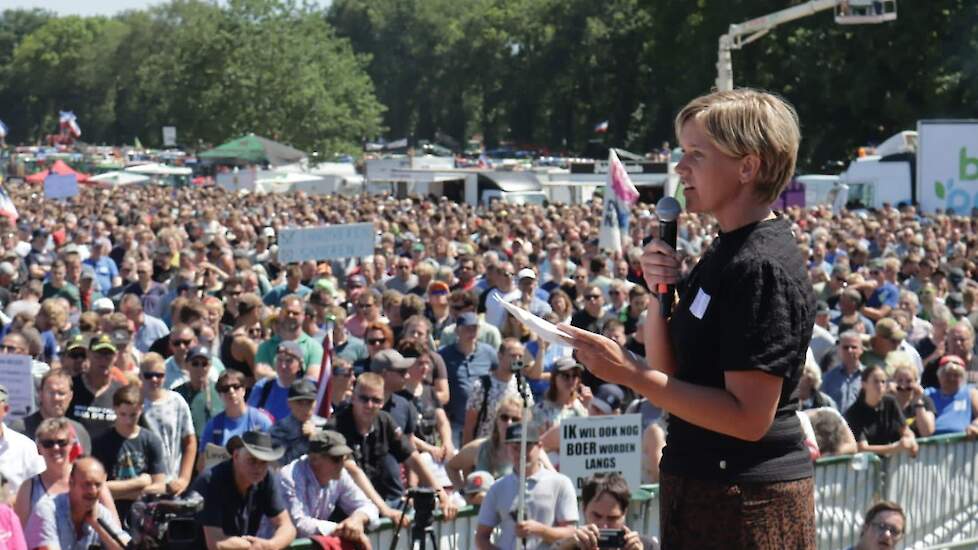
252, 149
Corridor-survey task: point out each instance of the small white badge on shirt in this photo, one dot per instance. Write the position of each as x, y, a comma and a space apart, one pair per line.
700, 303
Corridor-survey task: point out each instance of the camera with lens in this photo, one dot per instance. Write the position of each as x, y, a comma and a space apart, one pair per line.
516, 365
611, 538
166, 522
424, 505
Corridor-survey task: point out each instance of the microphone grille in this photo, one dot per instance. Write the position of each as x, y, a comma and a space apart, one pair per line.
667, 209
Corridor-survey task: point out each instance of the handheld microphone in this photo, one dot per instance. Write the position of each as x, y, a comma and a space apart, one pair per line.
667, 210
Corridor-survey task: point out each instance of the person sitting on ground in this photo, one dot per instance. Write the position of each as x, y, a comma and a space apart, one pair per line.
876, 419
884, 526
316, 485
236, 419
551, 502
76, 518
59, 448
605, 500
295, 430
955, 401
240, 492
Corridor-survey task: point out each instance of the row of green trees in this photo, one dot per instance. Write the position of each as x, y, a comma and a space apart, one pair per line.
214, 72
533, 72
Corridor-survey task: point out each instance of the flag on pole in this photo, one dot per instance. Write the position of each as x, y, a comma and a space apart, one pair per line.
601, 127
68, 118
323, 405
618, 195
7, 208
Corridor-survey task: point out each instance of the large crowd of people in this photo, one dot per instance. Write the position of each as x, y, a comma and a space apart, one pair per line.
171, 351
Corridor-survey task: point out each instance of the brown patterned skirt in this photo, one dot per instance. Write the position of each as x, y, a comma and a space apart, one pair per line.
699, 515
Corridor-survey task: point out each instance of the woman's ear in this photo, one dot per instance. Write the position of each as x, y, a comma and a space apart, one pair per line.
750, 166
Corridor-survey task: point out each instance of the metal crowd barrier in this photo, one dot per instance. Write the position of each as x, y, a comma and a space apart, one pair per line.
938, 489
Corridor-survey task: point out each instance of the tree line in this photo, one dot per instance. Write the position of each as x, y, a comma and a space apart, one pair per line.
535, 73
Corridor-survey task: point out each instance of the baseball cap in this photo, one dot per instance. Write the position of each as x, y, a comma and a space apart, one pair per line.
821, 307
389, 359
889, 329
329, 443
515, 431
477, 482
467, 319
565, 364
356, 280
608, 398
259, 444
103, 305
197, 352
87, 272
526, 273
292, 348
76, 341
438, 287
7, 268
102, 342
302, 390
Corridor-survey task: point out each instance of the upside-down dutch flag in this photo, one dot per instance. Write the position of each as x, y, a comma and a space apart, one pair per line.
3, 130
7, 208
68, 117
619, 194
324, 406
601, 127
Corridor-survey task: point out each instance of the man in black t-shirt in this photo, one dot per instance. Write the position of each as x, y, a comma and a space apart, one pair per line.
373, 434
133, 456
92, 404
239, 492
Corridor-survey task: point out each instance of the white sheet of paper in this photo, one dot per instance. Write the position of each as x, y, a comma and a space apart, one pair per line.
544, 329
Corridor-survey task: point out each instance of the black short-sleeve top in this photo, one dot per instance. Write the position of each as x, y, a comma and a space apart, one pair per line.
748, 304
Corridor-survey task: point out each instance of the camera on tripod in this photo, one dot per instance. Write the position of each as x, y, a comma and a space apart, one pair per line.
166, 522
423, 499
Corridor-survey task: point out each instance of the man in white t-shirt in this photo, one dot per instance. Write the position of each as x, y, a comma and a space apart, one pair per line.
505, 291
167, 414
551, 501
19, 460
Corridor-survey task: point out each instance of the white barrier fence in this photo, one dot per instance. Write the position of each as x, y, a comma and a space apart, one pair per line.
938, 489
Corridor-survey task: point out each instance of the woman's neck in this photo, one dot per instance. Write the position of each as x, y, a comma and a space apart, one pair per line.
873, 402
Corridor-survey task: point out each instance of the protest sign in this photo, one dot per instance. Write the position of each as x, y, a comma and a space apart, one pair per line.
601, 444
16, 376
169, 136
353, 240
58, 186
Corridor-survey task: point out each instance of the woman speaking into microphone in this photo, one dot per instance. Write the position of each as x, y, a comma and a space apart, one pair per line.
735, 473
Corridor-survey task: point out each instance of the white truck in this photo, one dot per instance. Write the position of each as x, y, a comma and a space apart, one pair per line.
935, 167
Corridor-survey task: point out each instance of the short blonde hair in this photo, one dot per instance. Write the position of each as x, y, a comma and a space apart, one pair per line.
743, 122
370, 380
